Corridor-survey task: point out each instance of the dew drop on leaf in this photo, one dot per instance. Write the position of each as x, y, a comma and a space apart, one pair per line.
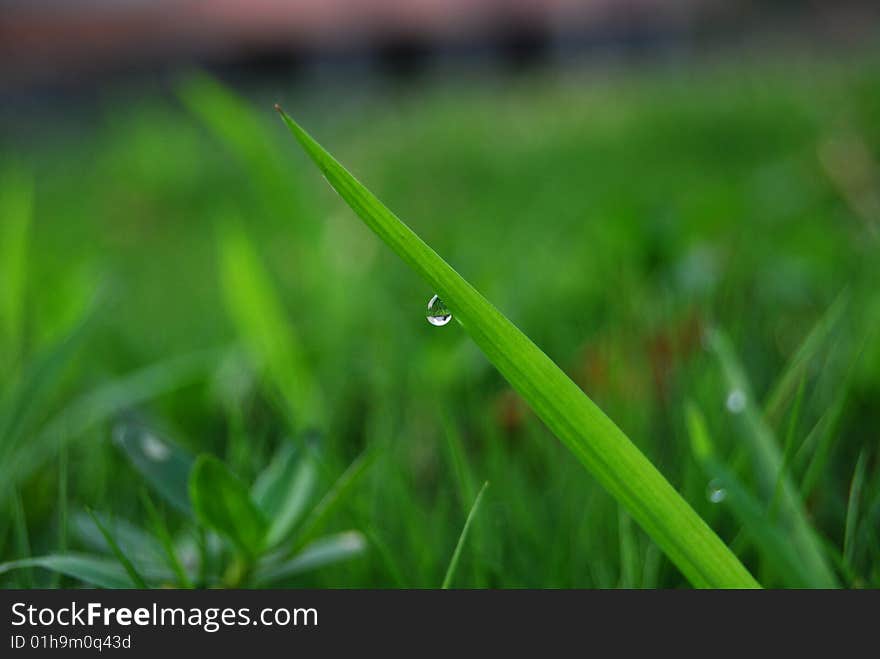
154, 448
736, 401
715, 493
438, 314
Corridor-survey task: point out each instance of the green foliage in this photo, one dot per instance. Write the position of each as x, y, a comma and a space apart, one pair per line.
604, 450
169, 268
260, 553
222, 504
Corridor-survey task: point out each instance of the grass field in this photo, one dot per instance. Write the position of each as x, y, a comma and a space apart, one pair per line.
699, 250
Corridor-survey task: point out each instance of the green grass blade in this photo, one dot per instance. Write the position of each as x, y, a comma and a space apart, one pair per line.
254, 306
165, 540
239, 128
788, 450
629, 551
127, 565
456, 555
223, 503
97, 571
596, 441
323, 551
335, 497
22, 537
16, 201
787, 385
852, 510
767, 461
774, 545
95, 407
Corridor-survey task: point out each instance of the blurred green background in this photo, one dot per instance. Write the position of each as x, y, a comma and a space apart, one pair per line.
178, 280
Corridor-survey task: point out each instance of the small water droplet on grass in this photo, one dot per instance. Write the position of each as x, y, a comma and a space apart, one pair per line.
736, 401
438, 315
155, 449
715, 493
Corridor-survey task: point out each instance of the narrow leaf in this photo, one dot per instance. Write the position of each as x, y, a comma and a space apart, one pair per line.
768, 463
93, 570
594, 439
321, 552
456, 555
124, 561
852, 510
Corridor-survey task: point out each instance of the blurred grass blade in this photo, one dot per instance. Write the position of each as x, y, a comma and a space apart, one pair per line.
166, 542
16, 201
283, 491
164, 465
464, 479
324, 551
456, 555
773, 544
101, 404
222, 503
629, 551
852, 510
596, 441
788, 450
239, 128
33, 390
124, 561
255, 308
134, 541
788, 382
819, 443
768, 463
334, 498
93, 570
21, 535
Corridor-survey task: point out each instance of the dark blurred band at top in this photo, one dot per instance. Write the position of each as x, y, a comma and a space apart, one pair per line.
70, 41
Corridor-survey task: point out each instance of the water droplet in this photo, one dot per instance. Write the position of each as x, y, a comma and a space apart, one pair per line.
438, 314
736, 401
155, 449
715, 492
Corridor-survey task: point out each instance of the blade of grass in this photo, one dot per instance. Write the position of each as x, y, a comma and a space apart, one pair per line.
239, 128
334, 498
456, 555
852, 510
788, 382
821, 439
323, 551
63, 510
788, 448
97, 406
127, 565
767, 463
22, 538
629, 552
253, 304
594, 439
773, 544
465, 483
160, 529
16, 201
94, 570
